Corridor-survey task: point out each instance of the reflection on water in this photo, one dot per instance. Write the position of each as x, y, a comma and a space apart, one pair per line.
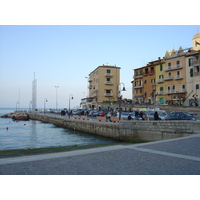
36, 134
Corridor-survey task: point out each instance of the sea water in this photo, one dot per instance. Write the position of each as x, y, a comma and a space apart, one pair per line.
36, 134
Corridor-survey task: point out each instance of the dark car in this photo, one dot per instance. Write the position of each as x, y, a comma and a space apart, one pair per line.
180, 116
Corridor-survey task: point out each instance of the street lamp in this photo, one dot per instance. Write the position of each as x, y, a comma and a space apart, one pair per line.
45, 100
120, 97
69, 100
56, 96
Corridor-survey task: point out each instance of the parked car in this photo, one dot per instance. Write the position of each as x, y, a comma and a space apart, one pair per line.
180, 116
125, 115
162, 115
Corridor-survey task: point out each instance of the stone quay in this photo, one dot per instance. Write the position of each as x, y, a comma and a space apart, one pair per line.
126, 131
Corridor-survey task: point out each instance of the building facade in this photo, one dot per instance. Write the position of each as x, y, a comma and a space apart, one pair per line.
175, 79
103, 86
193, 73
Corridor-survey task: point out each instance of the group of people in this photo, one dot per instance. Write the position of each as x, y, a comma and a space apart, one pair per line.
141, 115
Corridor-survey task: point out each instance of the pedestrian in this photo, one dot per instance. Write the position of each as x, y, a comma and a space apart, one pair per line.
137, 114
129, 117
141, 115
102, 114
156, 117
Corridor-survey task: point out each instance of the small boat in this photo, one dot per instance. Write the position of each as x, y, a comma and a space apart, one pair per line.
21, 118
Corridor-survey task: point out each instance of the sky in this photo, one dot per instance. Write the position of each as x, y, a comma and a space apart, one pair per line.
64, 55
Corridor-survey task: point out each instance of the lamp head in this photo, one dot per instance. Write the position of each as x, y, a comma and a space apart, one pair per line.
123, 89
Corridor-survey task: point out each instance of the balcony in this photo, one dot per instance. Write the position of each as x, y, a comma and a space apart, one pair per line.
161, 93
161, 80
138, 76
178, 77
108, 82
139, 86
94, 94
108, 74
108, 94
173, 67
170, 91
167, 78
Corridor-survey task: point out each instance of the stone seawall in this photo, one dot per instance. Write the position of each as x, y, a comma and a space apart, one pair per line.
129, 131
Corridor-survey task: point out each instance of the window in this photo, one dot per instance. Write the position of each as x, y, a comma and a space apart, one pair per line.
136, 73
178, 73
191, 72
161, 76
173, 87
190, 62
161, 89
141, 91
197, 86
169, 65
108, 71
168, 88
161, 67
140, 72
108, 79
178, 63
108, 91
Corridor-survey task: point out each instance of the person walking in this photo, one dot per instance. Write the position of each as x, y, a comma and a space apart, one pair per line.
156, 117
141, 115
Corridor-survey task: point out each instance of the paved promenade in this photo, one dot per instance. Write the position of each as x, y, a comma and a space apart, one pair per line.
170, 157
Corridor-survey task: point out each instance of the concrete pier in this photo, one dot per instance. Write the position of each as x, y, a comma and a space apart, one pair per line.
130, 131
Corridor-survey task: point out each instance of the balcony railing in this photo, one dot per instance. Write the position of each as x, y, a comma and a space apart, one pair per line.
108, 94
138, 76
168, 78
108, 82
161, 80
108, 74
178, 77
173, 67
161, 92
139, 86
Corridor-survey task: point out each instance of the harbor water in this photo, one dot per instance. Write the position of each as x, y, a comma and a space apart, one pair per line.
36, 134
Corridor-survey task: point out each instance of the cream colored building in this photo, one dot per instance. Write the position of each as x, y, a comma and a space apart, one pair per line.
193, 72
103, 86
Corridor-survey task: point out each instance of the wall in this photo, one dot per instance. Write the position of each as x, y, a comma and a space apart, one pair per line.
135, 131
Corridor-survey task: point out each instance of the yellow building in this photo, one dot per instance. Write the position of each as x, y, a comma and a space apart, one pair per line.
175, 76
103, 86
160, 82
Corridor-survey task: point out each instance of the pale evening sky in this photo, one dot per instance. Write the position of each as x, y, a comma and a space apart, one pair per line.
63, 55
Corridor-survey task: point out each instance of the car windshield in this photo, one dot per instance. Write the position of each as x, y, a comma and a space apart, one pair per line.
187, 114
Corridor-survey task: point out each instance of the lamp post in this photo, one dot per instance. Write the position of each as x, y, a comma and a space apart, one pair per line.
69, 100
45, 100
120, 97
56, 96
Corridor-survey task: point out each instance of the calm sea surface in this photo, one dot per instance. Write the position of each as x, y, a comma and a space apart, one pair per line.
36, 134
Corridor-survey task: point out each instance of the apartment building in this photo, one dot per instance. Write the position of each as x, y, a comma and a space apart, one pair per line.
193, 72
175, 76
103, 86
144, 83
175, 79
